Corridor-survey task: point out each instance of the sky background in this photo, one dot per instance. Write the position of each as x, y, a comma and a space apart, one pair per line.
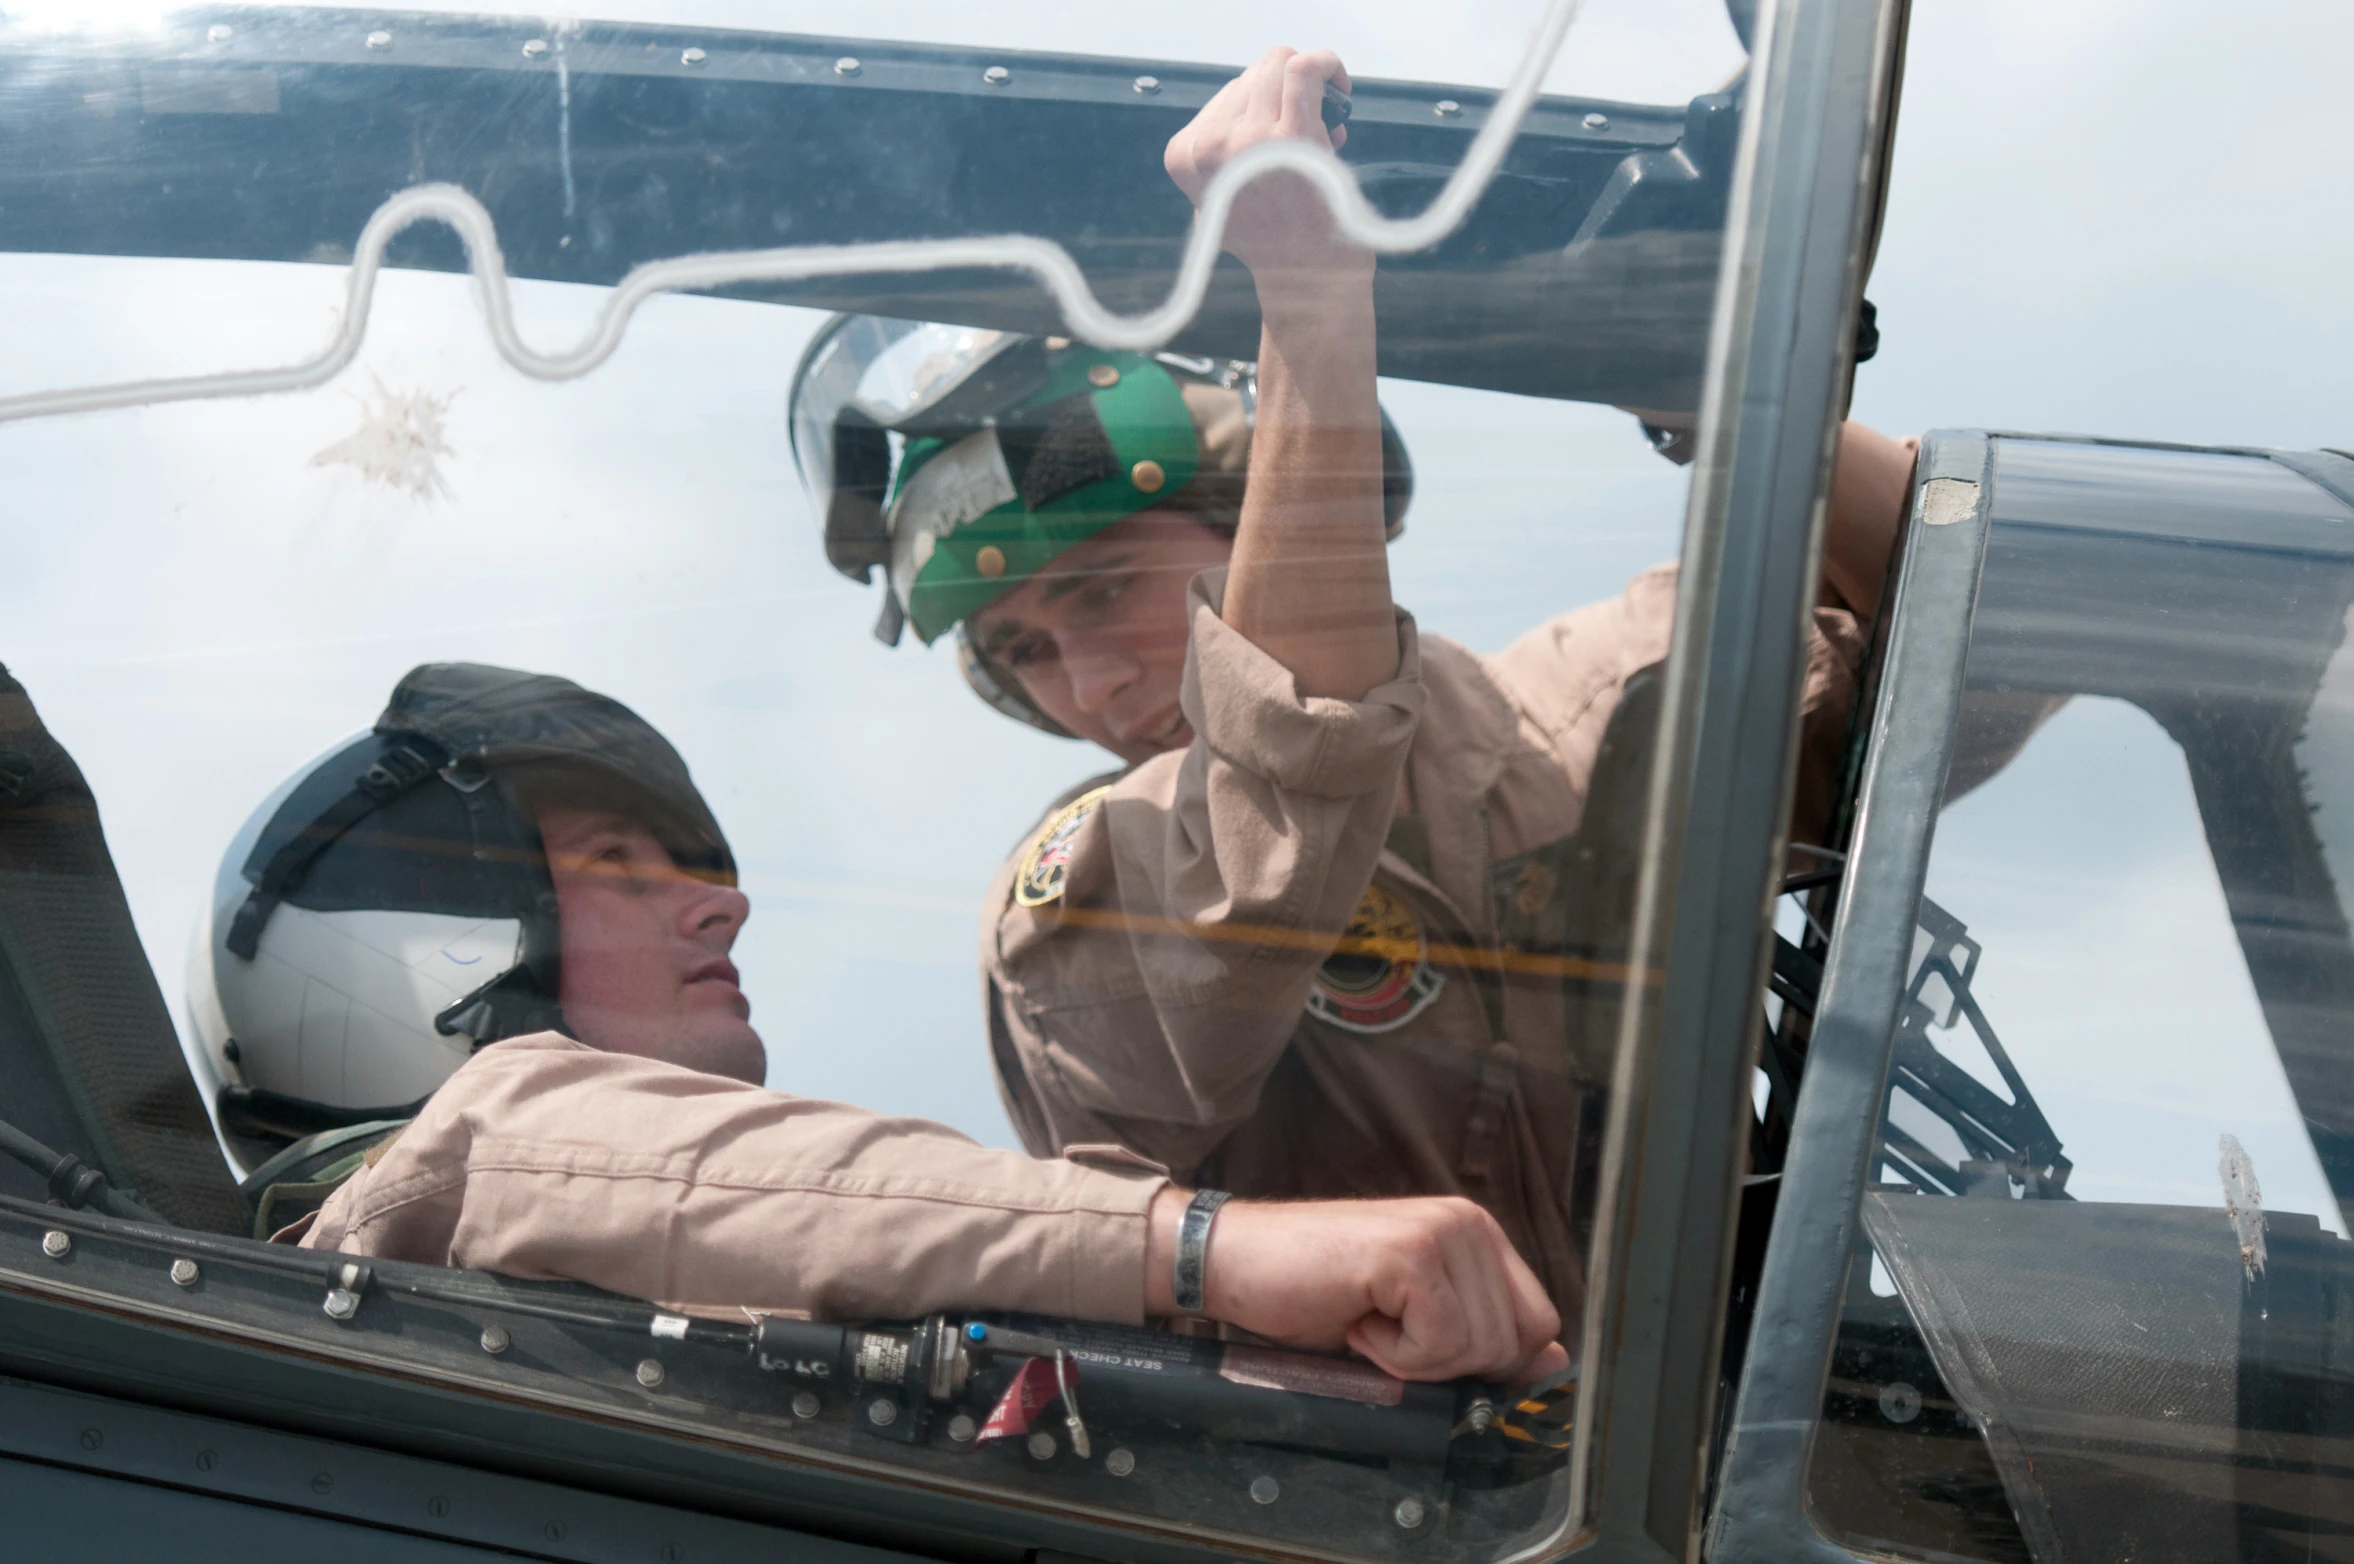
2128, 220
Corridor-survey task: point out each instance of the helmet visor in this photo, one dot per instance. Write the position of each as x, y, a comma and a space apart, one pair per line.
864, 374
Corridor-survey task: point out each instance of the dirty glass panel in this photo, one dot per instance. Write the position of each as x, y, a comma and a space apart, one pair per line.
497, 507
2102, 1304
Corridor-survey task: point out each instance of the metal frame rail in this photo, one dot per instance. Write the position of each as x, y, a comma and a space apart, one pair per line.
1760, 1512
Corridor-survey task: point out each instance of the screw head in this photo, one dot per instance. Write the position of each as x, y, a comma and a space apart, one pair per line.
535, 48
379, 40
882, 1411
1041, 1446
92, 1439
1899, 1402
1265, 1490
1148, 85
184, 1272
1119, 1460
848, 65
323, 1482
1596, 122
650, 1372
57, 1243
219, 32
437, 1506
962, 1428
692, 57
1410, 1512
206, 1460
806, 1404
495, 1339
997, 76
1446, 108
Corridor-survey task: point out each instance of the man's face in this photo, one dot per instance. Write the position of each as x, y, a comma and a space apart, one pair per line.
645, 968
1098, 640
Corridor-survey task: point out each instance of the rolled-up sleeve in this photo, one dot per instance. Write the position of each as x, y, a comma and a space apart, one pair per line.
545, 1159
1150, 1001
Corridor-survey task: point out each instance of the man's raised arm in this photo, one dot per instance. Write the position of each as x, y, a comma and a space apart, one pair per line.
1309, 584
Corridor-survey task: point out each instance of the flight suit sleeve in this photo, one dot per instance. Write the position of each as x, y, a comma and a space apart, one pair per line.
545, 1159
1143, 990
1568, 675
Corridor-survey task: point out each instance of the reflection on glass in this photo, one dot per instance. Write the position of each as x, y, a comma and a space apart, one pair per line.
1328, 904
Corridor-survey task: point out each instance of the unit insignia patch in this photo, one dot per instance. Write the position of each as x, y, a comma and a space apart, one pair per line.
1040, 879
1381, 977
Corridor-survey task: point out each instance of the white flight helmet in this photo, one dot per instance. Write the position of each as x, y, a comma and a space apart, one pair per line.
389, 909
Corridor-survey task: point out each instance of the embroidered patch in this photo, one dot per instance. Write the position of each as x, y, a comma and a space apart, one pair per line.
1040, 879
1381, 977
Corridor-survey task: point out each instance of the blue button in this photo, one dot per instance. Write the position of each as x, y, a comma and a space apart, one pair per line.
976, 1331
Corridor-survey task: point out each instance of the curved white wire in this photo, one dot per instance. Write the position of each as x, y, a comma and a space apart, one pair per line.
1083, 313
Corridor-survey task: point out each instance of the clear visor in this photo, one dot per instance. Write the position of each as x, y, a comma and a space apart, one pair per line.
889, 373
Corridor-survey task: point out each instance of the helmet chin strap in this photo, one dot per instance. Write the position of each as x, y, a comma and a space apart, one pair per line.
509, 1005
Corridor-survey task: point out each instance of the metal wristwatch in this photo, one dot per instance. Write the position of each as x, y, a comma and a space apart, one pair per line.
1193, 1243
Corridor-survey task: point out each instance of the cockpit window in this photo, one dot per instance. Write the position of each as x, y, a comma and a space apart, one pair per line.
2101, 1292
760, 726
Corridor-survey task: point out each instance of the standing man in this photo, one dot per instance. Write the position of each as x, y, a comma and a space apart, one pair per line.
1350, 918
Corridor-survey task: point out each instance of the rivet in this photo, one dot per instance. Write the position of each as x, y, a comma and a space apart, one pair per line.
692, 57
219, 32
1041, 1446
184, 1272
56, 1244
341, 1304
1265, 1490
990, 561
882, 1411
1409, 1513
848, 65
534, 48
650, 1372
962, 1428
379, 40
1148, 476
1119, 1461
1148, 85
997, 76
806, 1405
1103, 376
1446, 108
495, 1339
1596, 122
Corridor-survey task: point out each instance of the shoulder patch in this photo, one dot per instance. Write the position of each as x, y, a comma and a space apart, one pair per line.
1040, 879
1380, 977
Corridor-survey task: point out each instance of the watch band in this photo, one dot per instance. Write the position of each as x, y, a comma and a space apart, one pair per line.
1193, 1244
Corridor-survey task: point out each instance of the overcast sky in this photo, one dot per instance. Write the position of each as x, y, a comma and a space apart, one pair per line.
2123, 219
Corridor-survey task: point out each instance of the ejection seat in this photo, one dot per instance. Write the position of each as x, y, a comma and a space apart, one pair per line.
89, 1062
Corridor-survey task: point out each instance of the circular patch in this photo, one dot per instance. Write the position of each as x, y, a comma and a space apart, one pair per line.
1040, 879
1380, 977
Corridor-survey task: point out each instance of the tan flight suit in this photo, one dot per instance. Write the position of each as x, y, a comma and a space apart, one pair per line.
1155, 954
546, 1159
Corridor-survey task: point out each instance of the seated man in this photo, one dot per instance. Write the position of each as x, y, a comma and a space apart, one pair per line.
603, 1119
